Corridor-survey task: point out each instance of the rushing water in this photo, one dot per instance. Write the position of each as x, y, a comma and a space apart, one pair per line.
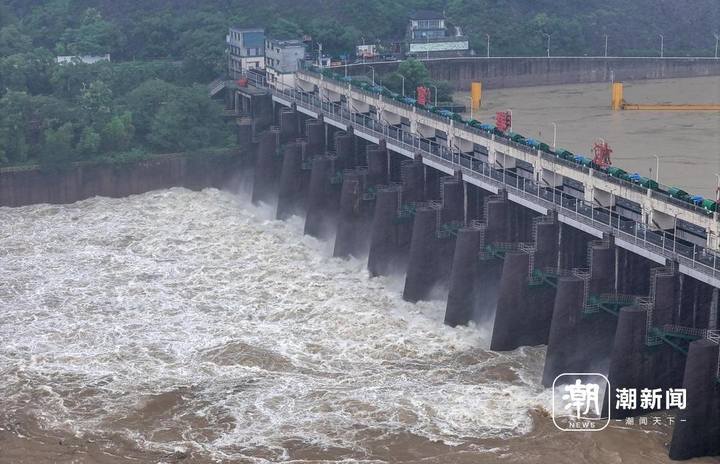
179, 324
687, 142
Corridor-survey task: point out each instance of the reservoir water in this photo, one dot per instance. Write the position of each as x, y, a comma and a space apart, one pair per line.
687, 142
180, 326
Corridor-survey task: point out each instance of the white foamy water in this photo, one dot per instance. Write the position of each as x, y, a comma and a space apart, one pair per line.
191, 320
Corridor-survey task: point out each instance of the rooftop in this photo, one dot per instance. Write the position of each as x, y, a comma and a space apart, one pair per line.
247, 29
286, 43
427, 15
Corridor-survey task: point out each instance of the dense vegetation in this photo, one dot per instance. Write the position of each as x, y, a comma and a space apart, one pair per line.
151, 97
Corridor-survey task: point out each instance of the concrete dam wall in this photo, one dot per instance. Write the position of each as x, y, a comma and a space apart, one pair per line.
497, 73
26, 186
529, 277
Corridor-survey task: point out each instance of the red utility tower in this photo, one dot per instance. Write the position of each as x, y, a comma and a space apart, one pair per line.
503, 120
601, 151
423, 95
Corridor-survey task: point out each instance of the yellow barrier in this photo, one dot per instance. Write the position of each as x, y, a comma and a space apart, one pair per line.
476, 95
617, 96
618, 103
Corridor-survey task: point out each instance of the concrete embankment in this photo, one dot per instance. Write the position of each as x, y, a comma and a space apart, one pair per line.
71, 183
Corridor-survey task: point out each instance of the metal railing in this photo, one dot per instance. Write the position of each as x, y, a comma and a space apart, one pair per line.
310, 69
695, 257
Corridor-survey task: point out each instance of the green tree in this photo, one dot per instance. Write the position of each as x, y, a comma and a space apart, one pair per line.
202, 42
13, 41
58, 146
188, 122
414, 72
154, 36
96, 102
89, 143
27, 71
145, 101
94, 36
117, 135
13, 127
284, 28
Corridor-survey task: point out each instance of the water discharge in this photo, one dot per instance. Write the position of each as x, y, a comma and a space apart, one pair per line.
180, 326
189, 320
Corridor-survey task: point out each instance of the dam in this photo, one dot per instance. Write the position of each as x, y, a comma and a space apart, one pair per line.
602, 274
611, 277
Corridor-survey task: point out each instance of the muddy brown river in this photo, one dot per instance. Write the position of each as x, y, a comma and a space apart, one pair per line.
180, 326
687, 142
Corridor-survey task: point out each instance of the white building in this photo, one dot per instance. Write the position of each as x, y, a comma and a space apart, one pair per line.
85, 59
430, 35
246, 50
282, 59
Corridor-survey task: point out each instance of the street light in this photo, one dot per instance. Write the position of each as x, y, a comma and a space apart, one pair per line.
403, 84
488, 46
662, 45
436, 92
363, 49
606, 43
554, 135
548, 43
373, 73
717, 41
657, 168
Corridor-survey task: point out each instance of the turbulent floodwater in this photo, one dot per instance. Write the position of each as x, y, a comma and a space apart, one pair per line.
180, 326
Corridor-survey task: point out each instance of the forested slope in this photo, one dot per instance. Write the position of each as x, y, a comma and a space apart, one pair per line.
150, 97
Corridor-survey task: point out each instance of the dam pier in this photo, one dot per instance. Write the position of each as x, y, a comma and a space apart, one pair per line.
599, 274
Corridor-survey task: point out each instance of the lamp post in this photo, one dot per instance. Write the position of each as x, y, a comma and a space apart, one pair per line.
504, 168
657, 168
717, 42
548, 43
363, 49
436, 92
554, 135
606, 45
488, 46
662, 45
373, 73
403, 84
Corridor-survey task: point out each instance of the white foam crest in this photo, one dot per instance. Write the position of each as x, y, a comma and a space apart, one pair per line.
109, 302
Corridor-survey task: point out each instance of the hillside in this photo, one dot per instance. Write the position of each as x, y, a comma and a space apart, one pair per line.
148, 99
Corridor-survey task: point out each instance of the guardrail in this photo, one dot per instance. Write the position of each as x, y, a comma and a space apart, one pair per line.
661, 243
309, 69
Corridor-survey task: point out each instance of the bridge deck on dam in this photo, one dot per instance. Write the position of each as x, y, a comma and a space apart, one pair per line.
592, 214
